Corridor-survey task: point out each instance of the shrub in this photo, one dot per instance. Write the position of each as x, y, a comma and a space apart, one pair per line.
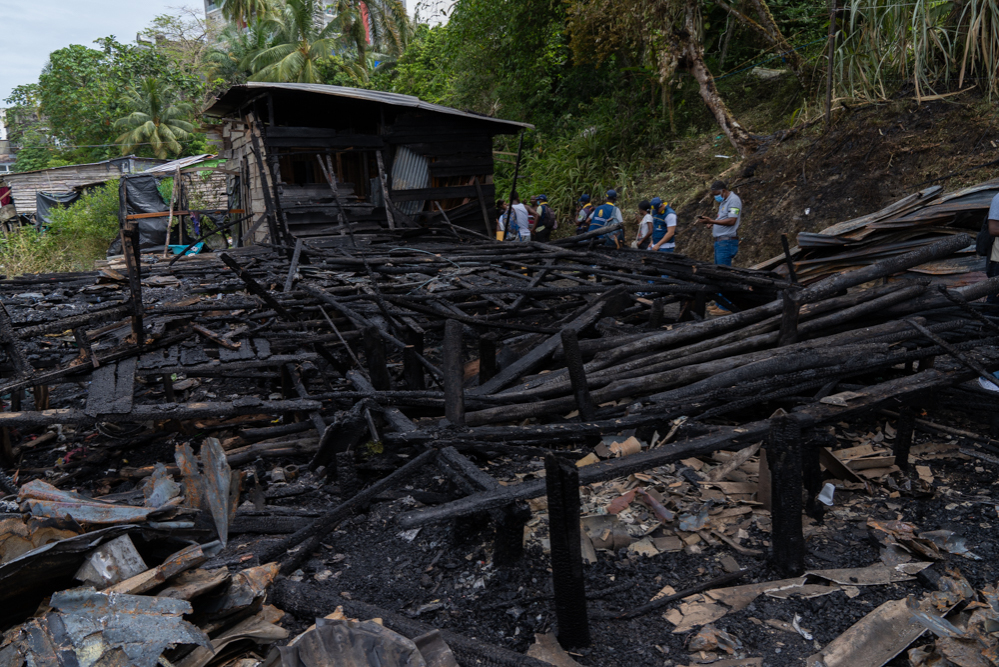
77, 236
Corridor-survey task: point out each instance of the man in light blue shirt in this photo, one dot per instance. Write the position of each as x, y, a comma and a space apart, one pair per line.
725, 228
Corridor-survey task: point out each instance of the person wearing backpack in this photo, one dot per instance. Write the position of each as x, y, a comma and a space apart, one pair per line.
609, 214
546, 221
987, 244
663, 226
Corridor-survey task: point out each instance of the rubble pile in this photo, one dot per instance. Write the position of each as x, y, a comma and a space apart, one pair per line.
212, 452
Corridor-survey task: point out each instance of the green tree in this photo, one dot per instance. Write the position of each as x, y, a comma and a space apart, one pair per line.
227, 60
157, 119
298, 44
244, 12
372, 30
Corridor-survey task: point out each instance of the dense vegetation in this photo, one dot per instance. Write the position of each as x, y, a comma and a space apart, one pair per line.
616, 88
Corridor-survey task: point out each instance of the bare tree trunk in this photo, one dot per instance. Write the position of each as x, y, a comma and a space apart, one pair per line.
691, 47
768, 30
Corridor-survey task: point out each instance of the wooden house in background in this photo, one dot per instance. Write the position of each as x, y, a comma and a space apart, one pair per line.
25, 185
424, 157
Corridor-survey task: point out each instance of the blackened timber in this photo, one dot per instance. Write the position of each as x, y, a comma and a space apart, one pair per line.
786, 483
821, 290
562, 487
255, 288
789, 318
487, 358
12, 346
903, 436
577, 375
293, 267
139, 413
721, 437
454, 375
296, 378
441, 193
538, 355
374, 348
508, 521
310, 537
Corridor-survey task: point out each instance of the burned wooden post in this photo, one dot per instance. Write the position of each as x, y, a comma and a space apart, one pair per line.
133, 263
904, 428
346, 475
577, 375
784, 458
656, 313
383, 180
374, 348
454, 374
562, 484
487, 358
789, 317
412, 369
788, 261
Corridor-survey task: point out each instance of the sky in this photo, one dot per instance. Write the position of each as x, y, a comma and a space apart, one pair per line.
32, 30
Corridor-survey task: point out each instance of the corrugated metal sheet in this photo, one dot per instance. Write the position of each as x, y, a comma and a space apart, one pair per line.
182, 163
232, 98
410, 171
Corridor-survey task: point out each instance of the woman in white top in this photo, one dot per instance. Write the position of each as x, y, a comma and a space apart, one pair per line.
644, 227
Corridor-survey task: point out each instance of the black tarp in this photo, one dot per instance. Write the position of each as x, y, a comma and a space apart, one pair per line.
143, 196
46, 201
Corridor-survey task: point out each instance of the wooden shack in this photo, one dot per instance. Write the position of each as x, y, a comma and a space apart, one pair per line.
25, 185
421, 157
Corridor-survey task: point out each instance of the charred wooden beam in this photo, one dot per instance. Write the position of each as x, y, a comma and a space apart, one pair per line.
562, 484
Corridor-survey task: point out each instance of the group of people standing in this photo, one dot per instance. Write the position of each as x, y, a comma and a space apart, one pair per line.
517, 221
657, 226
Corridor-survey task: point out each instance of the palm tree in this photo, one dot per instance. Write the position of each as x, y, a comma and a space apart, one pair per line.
372, 28
226, 59
157, 119
299, 43
243, 12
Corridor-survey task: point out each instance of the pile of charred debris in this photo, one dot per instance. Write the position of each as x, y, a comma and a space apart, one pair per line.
422, 447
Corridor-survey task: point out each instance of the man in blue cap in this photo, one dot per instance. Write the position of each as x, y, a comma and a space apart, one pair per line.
545, 220
583, 214
609, 214
663, 226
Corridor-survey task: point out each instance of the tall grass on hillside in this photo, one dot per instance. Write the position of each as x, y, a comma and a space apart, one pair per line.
932, 44
78, 235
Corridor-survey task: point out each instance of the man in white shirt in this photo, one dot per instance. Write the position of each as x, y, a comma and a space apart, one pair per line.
992, 265
519, 227
725, 228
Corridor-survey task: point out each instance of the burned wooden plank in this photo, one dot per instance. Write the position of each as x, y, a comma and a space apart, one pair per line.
112, 388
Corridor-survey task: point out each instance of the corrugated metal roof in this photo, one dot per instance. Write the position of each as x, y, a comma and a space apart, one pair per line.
182, 163
225, 103
87, 164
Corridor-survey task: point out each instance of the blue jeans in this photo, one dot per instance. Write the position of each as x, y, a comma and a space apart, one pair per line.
725, 251
666, 249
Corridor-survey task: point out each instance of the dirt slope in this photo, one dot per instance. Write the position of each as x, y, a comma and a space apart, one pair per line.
872, 156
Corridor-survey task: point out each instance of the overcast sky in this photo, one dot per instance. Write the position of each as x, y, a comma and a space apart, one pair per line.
32, 30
